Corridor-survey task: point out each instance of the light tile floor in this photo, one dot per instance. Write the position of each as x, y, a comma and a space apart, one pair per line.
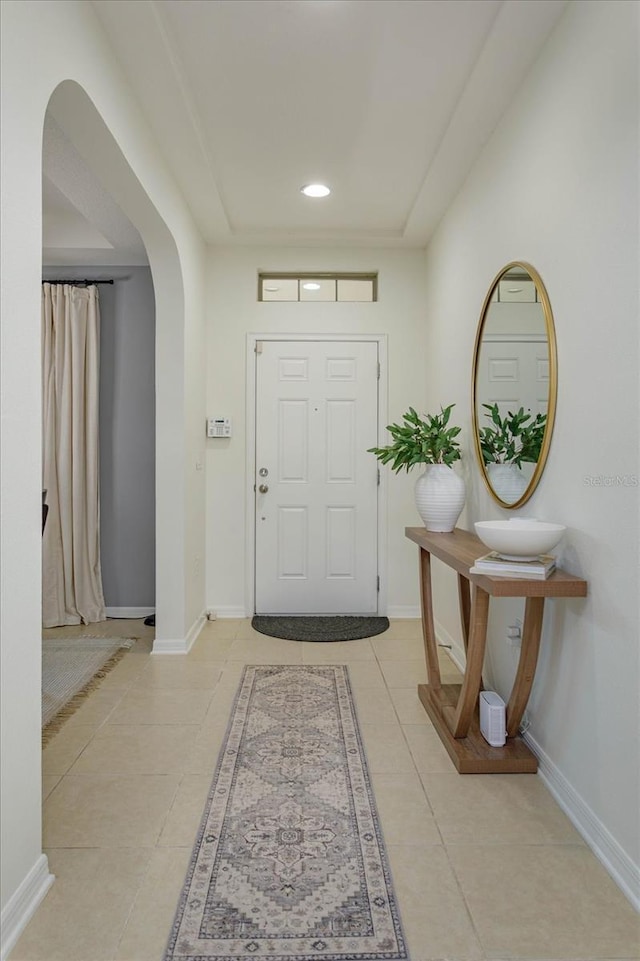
485, 867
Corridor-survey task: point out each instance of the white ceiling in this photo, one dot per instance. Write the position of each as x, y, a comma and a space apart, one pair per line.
387, 101
81, 224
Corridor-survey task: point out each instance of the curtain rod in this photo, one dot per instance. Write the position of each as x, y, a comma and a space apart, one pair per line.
78, 283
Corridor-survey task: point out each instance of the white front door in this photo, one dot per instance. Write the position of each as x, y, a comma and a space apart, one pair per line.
316, 485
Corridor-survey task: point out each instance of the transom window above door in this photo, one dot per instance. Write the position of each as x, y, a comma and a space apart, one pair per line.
321, 286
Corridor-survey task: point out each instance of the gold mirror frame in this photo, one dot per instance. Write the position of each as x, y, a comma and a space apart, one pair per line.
543, 298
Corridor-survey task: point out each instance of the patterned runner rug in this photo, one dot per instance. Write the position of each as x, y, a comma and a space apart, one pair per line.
289, 863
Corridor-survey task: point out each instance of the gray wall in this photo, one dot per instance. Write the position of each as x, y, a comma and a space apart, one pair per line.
127, 431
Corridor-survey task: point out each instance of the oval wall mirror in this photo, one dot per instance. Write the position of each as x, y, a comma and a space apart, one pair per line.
515, 379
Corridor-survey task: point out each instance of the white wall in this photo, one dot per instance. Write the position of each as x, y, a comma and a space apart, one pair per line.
557, 186
194, 266
233, 312
64, 41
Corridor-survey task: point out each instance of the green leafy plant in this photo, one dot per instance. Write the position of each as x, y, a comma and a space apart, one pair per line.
420, 440
512, 439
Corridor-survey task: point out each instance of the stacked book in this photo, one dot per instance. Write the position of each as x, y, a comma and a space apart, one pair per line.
498, 566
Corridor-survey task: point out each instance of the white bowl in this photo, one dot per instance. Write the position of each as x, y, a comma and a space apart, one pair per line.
519, 539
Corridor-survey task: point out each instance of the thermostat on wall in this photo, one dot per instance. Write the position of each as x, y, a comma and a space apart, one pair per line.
219, 427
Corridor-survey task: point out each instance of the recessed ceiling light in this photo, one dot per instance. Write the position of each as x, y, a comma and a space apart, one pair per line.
315, 190
311, 286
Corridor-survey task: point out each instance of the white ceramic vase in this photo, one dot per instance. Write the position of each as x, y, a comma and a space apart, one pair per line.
508, 481
440, 494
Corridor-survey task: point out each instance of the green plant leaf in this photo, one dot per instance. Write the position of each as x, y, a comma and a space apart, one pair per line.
515, 438
420, 441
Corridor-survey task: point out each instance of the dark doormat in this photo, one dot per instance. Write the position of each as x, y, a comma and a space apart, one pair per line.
319, 628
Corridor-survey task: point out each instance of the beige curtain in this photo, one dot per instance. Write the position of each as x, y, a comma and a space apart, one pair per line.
71, 576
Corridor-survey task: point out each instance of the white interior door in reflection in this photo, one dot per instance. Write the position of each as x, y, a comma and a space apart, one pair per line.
316, 486
513, 374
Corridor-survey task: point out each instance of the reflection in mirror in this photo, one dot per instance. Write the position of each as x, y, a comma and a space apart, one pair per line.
514, 384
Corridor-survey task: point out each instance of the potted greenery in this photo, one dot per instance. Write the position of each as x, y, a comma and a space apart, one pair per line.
428, 440
510, 442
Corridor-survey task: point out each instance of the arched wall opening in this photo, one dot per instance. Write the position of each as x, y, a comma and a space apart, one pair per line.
78, 118
108, 129
76, 114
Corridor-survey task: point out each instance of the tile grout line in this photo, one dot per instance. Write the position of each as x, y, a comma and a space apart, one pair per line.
438, 829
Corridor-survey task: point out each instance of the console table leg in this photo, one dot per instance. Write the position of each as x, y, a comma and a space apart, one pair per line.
464, 597
475, 660
531, 632
428, 630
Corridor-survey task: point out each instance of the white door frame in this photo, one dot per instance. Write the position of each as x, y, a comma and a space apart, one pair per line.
250, 511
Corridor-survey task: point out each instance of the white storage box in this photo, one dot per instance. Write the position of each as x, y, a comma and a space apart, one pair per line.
492, 718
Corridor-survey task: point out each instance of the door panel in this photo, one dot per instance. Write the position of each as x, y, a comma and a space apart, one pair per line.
316, 523
341, 441
341, 547
293, 538
293, 457
513, 375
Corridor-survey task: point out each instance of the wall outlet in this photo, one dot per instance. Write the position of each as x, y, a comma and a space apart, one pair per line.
514, 633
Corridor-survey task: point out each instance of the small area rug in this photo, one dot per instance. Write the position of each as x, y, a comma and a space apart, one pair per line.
289, 862
319, 628
71, 668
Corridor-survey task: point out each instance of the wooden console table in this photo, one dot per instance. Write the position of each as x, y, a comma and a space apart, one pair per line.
453, 708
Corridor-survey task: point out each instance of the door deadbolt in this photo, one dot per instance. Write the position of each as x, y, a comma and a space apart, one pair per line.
263, 488
263, 472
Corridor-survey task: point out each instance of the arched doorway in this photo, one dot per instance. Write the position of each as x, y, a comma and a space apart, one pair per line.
90, 242
26, 98
75, 113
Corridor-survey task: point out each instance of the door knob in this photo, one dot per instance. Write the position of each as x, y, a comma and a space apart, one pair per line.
263, 488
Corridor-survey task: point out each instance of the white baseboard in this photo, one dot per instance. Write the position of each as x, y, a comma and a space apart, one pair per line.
222, 610
611, 855
400, 611
180, 645
169, 645
22, 905
456, 650
133, 612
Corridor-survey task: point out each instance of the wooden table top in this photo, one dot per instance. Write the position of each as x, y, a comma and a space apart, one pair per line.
460, 549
